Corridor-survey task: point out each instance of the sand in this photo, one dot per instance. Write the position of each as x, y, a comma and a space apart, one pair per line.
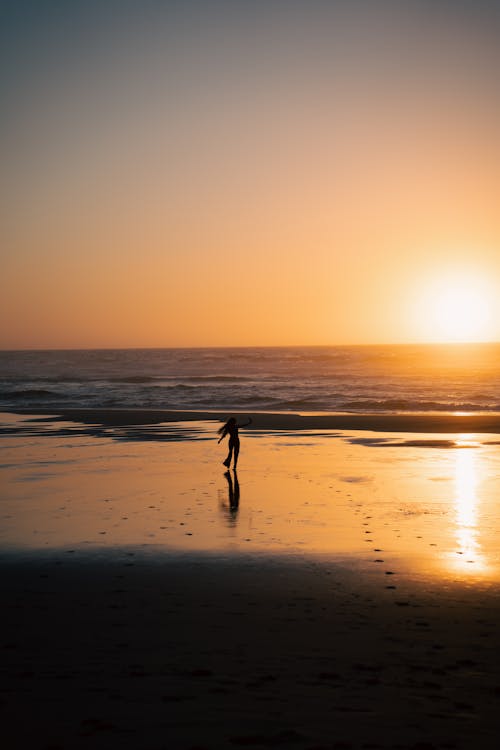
350, 600
213, 653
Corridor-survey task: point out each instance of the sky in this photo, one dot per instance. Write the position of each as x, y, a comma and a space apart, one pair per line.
232, 173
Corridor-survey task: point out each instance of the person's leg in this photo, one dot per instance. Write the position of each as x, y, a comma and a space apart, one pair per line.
236, 453
229, 456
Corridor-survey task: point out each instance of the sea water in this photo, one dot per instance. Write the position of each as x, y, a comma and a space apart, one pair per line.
307, 379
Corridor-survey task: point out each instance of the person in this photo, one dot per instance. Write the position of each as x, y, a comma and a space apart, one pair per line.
231, 428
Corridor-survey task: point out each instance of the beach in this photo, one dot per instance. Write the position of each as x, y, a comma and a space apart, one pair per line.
213, 653
265, 233
339, 591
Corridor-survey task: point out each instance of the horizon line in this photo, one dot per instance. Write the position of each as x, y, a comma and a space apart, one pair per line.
247, 346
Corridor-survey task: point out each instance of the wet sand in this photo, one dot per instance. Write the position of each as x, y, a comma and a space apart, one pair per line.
350, 599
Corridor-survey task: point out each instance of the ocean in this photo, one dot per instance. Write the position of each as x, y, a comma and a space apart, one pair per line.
404, 378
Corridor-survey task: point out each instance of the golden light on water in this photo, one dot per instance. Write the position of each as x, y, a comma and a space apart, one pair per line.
469, 556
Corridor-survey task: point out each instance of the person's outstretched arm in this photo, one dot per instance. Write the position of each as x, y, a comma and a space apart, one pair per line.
246, 423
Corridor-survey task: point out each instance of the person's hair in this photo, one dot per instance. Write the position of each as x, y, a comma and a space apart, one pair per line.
225, 428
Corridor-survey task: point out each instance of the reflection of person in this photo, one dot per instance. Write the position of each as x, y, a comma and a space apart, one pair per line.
234, 492
231, 429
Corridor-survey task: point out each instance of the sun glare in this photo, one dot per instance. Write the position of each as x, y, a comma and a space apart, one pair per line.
457, 309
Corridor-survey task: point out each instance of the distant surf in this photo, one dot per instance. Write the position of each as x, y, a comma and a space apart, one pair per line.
359, 379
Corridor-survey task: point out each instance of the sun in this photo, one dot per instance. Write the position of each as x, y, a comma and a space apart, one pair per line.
457, 308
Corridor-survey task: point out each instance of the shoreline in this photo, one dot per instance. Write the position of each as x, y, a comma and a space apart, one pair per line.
442, 422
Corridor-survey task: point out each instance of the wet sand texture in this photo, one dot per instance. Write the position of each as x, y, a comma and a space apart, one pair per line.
139, 611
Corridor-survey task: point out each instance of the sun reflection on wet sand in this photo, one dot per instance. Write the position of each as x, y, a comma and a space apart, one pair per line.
469, 556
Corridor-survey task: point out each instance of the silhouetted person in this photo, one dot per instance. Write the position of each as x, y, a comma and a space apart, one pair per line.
231, 429
234, 491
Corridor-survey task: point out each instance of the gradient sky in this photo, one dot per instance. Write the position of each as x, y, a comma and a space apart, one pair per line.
246, 173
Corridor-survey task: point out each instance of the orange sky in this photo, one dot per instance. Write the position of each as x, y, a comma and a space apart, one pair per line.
295, 176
